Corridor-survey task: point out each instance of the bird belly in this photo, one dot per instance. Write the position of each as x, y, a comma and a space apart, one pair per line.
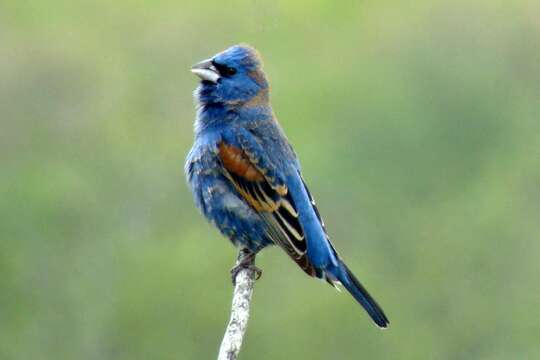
220, 203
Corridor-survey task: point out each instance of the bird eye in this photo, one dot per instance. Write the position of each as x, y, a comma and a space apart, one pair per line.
224, 70
229, 71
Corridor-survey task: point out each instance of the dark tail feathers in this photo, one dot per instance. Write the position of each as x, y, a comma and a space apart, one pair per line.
361, 295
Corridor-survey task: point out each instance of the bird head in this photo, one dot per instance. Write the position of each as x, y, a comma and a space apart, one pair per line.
233, 77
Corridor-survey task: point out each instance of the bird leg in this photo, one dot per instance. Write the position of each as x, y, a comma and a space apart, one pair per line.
246, 260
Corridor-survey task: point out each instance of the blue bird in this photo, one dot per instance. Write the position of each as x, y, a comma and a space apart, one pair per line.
246, 178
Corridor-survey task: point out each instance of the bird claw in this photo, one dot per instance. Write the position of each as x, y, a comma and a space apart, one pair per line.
235, 270
246, 261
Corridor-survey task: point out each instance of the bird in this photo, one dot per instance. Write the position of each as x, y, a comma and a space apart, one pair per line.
246, 178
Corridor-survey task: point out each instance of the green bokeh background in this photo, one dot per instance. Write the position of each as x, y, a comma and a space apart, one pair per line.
418, 127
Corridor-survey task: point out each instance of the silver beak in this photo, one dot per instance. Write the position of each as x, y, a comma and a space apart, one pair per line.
206, 71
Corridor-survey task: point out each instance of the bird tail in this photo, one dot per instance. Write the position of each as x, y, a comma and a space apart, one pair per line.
353, 286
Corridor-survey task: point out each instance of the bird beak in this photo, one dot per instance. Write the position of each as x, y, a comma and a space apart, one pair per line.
206, 71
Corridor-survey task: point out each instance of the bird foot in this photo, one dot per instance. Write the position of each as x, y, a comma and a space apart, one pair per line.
246, 260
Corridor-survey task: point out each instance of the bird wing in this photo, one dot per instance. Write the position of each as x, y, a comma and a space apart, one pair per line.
272, 201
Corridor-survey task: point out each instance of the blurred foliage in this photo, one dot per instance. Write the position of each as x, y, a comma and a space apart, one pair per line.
418, 129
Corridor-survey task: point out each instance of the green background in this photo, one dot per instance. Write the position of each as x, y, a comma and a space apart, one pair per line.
418, 128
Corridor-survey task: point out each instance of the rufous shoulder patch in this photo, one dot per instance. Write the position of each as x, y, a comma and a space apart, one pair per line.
235, 161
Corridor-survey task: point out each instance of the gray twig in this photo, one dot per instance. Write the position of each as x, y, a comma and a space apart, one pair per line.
243, 290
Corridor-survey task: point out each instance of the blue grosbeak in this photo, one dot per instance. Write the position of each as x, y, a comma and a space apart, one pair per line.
246, 178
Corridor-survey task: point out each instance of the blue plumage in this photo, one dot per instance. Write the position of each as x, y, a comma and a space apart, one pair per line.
246, 178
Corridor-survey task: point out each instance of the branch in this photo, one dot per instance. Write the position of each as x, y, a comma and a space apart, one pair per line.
243, 289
